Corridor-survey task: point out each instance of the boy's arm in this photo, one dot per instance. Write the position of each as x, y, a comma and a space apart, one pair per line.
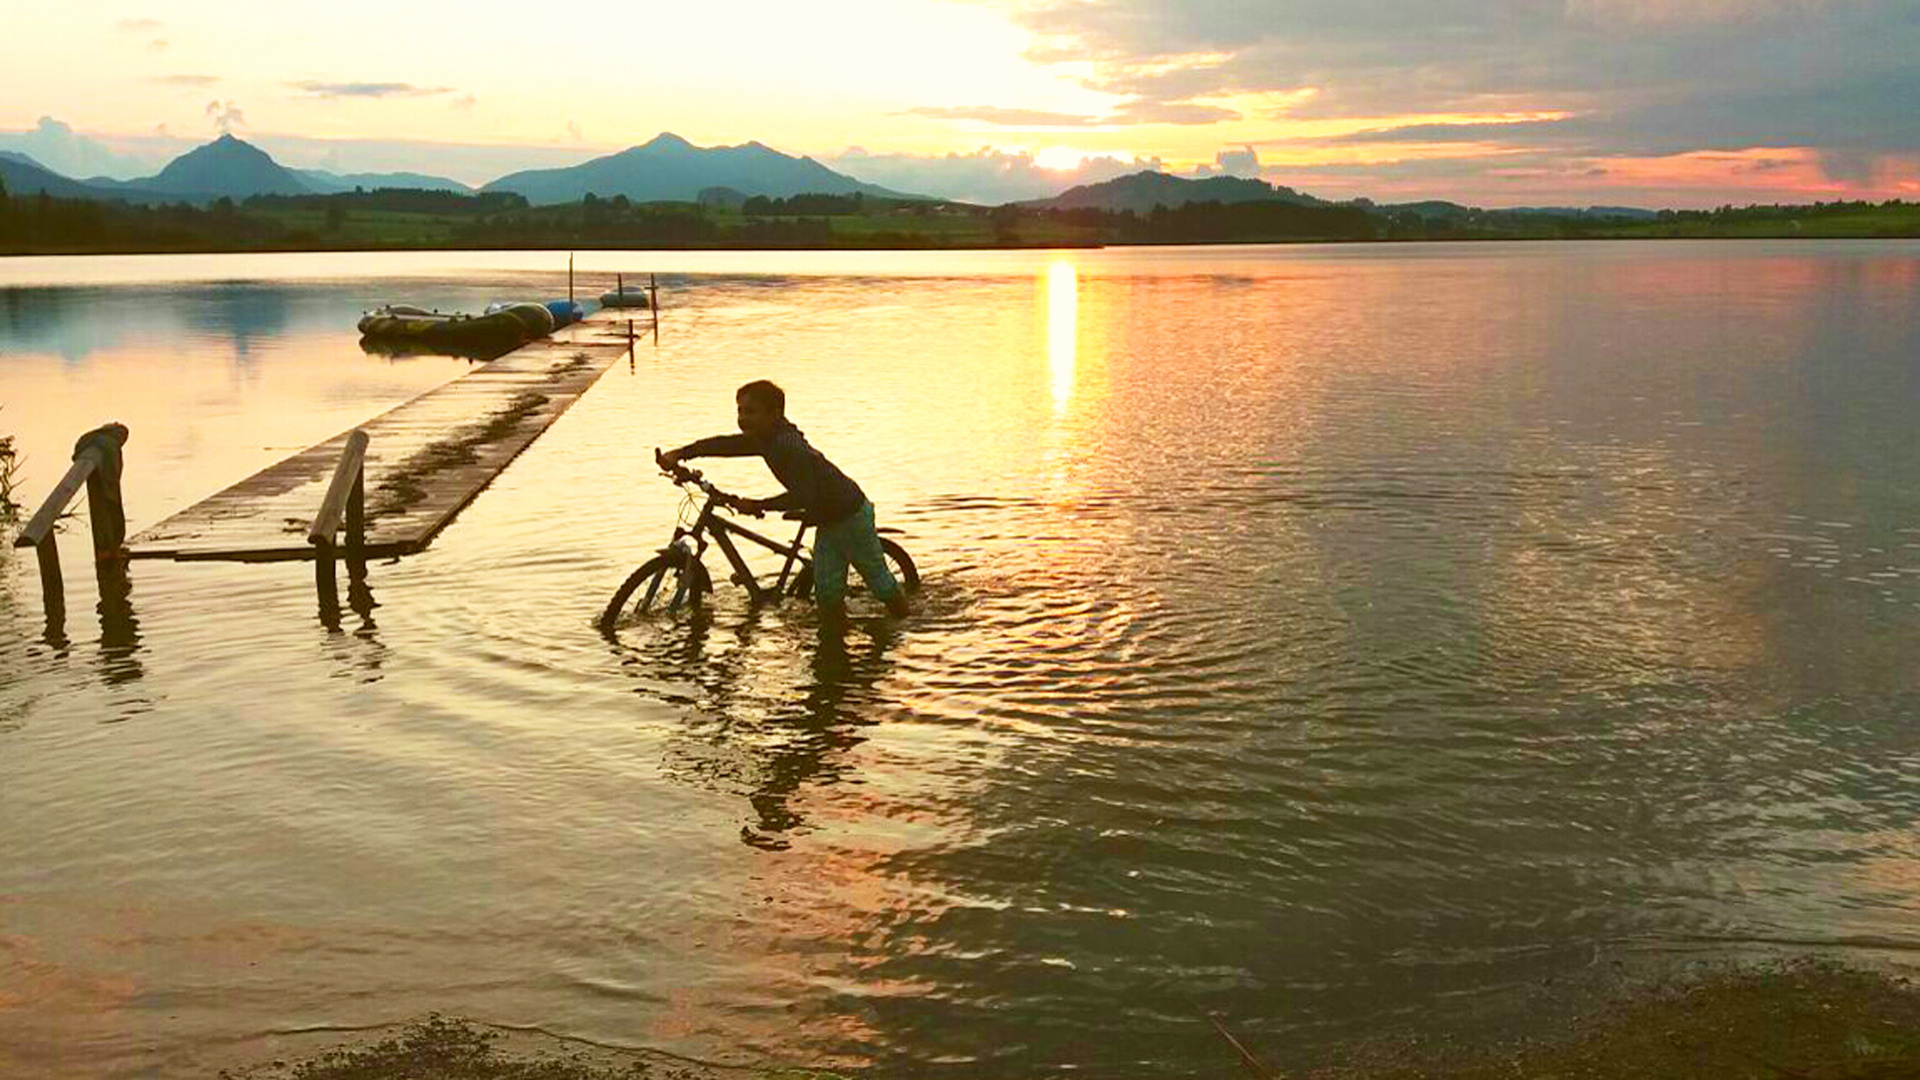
780, 503
714, 446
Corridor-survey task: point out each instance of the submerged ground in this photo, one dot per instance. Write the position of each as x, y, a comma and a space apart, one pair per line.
1812, 1021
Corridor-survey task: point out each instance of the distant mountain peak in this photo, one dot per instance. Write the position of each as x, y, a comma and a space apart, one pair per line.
668, 167
228, 166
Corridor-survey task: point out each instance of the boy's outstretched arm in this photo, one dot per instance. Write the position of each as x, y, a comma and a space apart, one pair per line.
714, 446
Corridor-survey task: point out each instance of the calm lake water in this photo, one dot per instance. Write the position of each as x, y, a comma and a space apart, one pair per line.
1344, 641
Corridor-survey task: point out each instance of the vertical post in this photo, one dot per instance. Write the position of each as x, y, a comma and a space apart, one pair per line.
52, 588
653, 305
104, 508
357, 518
324, 582
569, 277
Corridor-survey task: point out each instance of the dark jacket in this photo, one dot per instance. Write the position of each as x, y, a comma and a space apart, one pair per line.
814, 487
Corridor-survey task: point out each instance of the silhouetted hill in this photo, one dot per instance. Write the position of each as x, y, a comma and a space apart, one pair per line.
671, 168
333, 183
226, 167
1632, 212
1140, 192
25, 176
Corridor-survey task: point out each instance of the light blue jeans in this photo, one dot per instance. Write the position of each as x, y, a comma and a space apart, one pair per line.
852, 539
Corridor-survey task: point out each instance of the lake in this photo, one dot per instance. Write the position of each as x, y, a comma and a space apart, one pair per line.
1421, 640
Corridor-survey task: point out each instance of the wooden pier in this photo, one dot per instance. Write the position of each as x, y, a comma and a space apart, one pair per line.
418, 464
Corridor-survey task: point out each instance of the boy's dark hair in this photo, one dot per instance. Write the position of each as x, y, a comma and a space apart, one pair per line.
765, 394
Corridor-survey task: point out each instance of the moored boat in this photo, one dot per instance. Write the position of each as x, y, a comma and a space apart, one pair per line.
538, 321
404, 321
624, 295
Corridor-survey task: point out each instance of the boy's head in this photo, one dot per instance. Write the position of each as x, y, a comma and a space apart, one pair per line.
761, 405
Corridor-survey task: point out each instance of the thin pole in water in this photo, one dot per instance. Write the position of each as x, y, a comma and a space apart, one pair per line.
1253, 1064
569, 277
653, 305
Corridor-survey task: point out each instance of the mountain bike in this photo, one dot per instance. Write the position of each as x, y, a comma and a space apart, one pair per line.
676, 579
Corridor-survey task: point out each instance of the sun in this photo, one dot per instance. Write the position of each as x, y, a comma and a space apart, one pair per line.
1060, 158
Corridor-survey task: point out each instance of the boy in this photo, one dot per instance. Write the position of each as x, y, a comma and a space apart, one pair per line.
833, 504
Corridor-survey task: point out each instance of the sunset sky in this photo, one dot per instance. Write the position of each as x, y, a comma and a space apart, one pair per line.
1493, 102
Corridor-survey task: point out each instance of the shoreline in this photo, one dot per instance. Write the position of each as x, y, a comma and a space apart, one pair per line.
373, 249
1813, 1019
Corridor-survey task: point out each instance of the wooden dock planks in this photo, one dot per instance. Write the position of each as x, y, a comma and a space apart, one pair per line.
426, 459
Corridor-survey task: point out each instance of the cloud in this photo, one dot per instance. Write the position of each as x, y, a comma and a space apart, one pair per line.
157, 45
995, 114
138, 26
186, 80
316, 88
465, 102
226, 115
56, 145
1170, 112
1638, 76
1241, 162
986, 175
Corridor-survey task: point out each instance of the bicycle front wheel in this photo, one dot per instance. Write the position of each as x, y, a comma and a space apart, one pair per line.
670, 581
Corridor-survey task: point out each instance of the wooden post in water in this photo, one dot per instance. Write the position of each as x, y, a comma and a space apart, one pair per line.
90, 467
653, 305
346, 497
52, 588
569, 277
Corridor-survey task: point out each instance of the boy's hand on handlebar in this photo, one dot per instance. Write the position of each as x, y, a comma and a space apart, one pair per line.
668, 460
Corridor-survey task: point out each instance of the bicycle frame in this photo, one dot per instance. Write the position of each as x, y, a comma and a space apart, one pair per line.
722, 530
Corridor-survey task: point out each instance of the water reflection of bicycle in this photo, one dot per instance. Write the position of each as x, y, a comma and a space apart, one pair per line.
749, 730
676, 579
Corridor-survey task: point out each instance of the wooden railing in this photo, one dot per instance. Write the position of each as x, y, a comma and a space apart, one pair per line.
345, 504
104, 510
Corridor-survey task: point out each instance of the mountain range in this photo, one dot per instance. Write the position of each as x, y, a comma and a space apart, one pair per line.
24, 176
1142, 191
666, 168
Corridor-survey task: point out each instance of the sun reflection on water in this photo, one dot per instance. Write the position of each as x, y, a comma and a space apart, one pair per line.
1063, 301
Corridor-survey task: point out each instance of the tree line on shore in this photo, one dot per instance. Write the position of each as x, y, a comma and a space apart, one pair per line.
413, 218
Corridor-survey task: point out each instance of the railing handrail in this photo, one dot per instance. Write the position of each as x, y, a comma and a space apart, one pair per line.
41, 524
346, 476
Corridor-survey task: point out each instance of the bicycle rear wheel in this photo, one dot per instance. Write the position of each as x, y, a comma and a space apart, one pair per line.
898, 561
670, 581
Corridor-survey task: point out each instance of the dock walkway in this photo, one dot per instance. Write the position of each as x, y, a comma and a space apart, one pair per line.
425, 460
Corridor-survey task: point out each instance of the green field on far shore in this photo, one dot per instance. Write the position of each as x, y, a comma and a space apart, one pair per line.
408, 219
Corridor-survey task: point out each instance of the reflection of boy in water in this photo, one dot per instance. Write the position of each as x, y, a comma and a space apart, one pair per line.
833, 504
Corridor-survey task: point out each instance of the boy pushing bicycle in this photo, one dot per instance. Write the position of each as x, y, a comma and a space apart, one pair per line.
826, 498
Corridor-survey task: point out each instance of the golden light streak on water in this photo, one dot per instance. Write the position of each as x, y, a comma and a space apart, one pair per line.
1063, 303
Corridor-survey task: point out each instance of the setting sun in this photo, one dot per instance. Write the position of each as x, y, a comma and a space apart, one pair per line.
1067, 158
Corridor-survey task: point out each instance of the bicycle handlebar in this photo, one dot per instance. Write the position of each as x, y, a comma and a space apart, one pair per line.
681, 474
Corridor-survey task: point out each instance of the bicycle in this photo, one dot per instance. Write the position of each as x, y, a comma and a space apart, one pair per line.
676, 577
